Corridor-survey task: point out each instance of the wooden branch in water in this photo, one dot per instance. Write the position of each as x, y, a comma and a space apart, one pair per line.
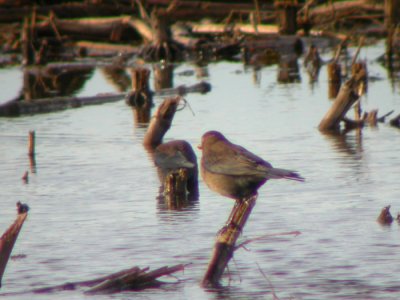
160, 123
46, 105
345, 99
226, 240
8, 239
133, 278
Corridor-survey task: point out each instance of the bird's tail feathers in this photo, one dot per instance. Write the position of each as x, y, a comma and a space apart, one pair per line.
276, 173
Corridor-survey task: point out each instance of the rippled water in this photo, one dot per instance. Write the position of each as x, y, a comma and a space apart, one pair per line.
95, 211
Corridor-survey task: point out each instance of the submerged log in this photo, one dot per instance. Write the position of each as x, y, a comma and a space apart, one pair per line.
46, 105
9, 237
226, 240
131, 279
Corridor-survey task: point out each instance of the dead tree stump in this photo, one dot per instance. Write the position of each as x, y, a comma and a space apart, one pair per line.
334, 79
288, 71
163, 47
9, 237
175, 188
286, 11
161, 122
346, 97
226, 240
140, 98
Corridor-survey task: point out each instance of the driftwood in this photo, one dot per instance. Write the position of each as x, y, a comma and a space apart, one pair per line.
226, 240
132, 279
346, 97
9, 237
161, 123
16, 108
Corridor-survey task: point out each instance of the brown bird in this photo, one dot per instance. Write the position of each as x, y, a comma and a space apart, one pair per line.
233, 171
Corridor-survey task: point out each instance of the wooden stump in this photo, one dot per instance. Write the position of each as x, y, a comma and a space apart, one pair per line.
160, 123
288, 71
226, 240
7, 241
344, 100
175, 189
140, 98
334, 79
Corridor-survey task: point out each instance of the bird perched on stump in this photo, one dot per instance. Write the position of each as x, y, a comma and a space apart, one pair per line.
233, 171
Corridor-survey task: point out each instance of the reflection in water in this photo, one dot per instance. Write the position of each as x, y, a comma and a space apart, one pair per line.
288, 71
163, 76
54, 81
344, 143
118, 77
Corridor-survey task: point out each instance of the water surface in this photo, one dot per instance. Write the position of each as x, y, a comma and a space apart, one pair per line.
95, 207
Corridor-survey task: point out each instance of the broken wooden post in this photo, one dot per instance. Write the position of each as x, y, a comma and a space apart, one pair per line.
160, 123
313, 62
346, 97
175, 188
335, 72
226, 240
28, 52
9, 237
31, 143
288, 71
163, 76
334, 79
286, 11
385, 217
140, 98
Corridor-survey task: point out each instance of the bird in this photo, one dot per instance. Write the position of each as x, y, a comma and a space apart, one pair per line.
175, 155
233, 171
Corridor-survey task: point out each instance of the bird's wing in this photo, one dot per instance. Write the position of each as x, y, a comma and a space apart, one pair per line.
235, 160
172, 161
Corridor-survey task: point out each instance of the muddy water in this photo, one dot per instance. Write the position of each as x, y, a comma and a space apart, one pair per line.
94, 195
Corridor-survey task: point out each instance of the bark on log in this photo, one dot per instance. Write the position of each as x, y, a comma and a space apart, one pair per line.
345, 99
7, 241
134, 278
160, 123
226, 240
334, 79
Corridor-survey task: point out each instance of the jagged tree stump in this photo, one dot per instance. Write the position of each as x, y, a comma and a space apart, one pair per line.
226, 241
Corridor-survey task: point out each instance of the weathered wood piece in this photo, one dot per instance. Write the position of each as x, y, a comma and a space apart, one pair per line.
8, 239
131, 279
135, 280
31, 143
160, 123
226, 240
346, 97
385, 217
